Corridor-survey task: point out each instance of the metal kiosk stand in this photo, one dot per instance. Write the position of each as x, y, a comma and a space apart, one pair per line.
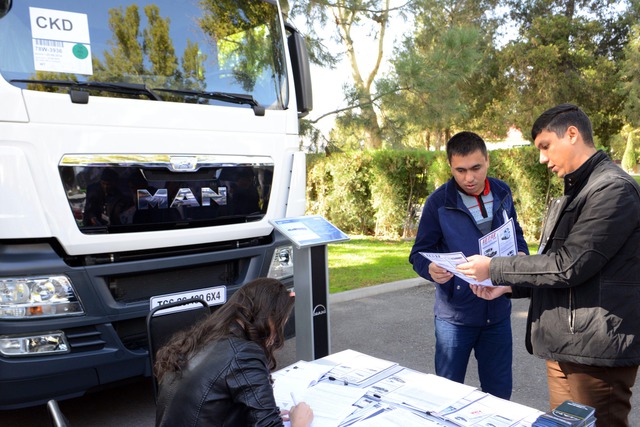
310, 236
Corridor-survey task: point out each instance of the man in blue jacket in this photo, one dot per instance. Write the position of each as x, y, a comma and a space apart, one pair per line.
454, 217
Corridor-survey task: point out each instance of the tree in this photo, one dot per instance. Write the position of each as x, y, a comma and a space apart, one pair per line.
158, 44
147, 55
352, 17
630, 76
565, 51
436, 83
429, 96
629, 159
126, 53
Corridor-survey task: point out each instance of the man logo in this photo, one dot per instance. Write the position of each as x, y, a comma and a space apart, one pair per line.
183, 163
184, 197
319, 310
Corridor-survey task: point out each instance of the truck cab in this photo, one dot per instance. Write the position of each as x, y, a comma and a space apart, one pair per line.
144, 147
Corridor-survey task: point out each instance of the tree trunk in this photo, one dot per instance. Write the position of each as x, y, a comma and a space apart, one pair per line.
344, 19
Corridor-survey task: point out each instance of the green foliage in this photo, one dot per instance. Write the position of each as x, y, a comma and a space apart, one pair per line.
565, 51
629, 159
532, 185
430, 82
630, 76
381, 193
338, 189
399, 180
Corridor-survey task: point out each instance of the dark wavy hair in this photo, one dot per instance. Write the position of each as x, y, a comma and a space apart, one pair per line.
258, 311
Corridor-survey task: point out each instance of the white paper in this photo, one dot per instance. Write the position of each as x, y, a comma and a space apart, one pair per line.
400, 418
401, 399
499, 242
331, 403
484, 410
296, 378
422, 392
352, 367
60, 41
449, 261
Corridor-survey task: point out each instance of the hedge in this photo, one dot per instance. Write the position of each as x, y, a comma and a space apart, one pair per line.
381, 193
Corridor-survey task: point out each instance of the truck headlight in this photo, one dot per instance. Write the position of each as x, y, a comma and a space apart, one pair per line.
34, 344
281, 263
38, 296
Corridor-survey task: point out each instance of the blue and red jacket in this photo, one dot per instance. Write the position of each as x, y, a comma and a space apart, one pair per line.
446, 225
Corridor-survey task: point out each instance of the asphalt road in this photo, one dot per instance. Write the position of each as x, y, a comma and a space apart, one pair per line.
391, 321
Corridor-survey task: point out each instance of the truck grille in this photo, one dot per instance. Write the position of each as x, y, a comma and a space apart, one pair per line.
84, 339
140, 287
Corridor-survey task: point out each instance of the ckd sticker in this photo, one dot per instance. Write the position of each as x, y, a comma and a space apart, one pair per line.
61, 41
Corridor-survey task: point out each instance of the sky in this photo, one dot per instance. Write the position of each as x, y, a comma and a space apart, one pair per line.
327, 84
328, 94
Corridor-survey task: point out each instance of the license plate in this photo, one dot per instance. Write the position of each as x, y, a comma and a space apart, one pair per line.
212, 296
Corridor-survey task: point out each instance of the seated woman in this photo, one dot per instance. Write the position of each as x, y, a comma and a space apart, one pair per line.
217, 373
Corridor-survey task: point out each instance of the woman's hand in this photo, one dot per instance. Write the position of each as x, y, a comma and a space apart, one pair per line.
301, 415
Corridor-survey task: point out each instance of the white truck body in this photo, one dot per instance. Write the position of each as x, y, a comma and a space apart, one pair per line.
188, 166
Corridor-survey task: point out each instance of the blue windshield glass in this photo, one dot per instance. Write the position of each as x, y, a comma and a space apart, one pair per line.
182, 47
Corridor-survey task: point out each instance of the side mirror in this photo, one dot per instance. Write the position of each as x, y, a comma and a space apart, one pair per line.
301, 71
5, 7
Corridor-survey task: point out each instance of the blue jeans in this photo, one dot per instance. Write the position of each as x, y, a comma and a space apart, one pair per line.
492, 346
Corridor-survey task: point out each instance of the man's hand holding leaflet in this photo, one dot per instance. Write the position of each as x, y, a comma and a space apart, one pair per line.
449, 261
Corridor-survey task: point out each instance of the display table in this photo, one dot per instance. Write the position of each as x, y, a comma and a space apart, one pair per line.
352, 388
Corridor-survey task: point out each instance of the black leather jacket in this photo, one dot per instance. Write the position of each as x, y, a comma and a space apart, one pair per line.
585, 284
225, 384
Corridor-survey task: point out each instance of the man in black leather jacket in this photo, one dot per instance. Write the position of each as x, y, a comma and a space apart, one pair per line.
584, 284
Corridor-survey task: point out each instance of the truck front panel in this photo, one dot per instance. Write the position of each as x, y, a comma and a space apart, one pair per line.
144, 147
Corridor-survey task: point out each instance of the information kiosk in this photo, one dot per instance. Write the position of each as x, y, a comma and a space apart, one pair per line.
310, 236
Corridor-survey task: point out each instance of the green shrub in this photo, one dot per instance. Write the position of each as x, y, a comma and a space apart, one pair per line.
532, 185
338, 189
381, 193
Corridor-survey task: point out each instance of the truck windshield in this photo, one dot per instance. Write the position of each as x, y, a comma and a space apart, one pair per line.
188, 48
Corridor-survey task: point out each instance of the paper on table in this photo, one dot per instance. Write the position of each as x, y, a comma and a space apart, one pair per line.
480, 409
330, 402
400, 418
422, 392
296, 378
357, 368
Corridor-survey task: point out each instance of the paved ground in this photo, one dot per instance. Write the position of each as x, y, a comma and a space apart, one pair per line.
391, 321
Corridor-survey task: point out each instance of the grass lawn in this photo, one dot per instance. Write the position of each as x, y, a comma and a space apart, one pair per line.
367, 261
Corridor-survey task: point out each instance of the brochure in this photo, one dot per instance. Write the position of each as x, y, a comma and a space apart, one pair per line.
499, 242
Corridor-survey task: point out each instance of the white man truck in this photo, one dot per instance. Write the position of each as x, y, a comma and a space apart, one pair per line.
144, 147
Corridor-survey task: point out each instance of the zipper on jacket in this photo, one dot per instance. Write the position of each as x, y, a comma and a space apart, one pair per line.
572, 317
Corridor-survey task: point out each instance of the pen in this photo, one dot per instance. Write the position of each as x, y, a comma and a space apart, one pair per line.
335, 379
295, 401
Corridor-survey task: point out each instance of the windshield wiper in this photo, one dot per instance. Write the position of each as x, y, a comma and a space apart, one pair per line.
235, 98
124, 88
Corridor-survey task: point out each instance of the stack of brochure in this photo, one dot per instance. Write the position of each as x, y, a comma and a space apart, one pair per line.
568, 414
